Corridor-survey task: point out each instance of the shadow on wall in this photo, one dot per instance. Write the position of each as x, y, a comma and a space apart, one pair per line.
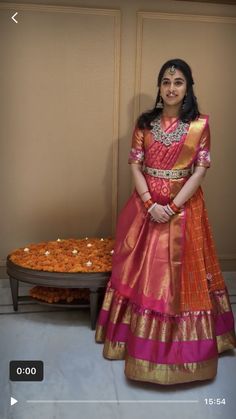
125, 184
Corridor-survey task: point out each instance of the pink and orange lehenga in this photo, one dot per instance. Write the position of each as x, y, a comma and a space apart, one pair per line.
166, 310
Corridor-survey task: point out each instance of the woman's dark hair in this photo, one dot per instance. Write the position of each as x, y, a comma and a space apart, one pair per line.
190, 111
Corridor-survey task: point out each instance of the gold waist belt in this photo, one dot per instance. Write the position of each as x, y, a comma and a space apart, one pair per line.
167, 174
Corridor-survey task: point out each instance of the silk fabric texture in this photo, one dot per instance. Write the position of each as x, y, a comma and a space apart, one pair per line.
166, 296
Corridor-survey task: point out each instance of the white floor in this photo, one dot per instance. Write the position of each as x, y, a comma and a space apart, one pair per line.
76, 371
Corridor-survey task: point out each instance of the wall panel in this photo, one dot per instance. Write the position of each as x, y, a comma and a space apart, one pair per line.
58, 123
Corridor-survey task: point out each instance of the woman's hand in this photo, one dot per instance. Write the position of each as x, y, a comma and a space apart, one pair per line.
159, 215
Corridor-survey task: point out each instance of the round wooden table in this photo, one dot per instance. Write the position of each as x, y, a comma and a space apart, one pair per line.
93, 281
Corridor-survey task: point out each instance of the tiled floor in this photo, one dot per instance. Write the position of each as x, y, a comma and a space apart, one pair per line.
75, 370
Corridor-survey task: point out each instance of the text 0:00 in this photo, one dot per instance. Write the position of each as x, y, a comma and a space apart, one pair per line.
26, 371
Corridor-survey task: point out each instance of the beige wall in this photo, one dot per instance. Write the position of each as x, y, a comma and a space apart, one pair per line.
70, 96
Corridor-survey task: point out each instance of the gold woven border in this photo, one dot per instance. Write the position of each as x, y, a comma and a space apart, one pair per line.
100, 334
221, 302
114, 350
189, 328
226, 341
109, 295
140, 370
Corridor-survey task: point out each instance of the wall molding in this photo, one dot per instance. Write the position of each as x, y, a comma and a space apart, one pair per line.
141, 17
187, 17
59, 9
115, 14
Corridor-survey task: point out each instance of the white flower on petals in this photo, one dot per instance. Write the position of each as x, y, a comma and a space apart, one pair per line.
47, 253
74, 252
58, 240
89, 245
89, 263
26, 249
102, 240
111, 252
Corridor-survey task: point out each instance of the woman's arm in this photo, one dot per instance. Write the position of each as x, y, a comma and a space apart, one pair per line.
158, 213
140, 181
190, 186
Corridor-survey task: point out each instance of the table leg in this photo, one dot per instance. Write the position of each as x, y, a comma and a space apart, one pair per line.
93, 297
14, 283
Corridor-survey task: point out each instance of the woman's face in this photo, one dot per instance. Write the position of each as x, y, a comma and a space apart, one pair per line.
173, 87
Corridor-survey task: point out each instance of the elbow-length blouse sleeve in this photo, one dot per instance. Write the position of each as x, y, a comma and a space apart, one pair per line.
203, 156
136, 154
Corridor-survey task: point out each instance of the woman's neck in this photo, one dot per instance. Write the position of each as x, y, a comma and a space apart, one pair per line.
171, 111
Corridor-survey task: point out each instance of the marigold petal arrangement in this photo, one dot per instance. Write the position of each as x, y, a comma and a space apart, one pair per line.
68, 255
55, 295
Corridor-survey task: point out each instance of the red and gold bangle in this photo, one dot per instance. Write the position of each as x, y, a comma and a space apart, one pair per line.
174, 207
148, 203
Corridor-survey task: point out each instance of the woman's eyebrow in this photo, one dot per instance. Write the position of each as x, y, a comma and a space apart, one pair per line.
177, 78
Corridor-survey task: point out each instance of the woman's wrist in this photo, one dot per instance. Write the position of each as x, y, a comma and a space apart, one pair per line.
171, 208
174, 207
145, 196
148, 203
168, 210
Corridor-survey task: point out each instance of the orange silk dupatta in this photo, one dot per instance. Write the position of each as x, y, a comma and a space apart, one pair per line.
192, 252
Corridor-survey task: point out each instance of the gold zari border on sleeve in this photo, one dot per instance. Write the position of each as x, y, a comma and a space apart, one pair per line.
140, 370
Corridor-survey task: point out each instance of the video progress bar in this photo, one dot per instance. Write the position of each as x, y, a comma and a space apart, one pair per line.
113, 401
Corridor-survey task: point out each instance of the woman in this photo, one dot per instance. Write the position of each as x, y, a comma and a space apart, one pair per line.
166, 310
